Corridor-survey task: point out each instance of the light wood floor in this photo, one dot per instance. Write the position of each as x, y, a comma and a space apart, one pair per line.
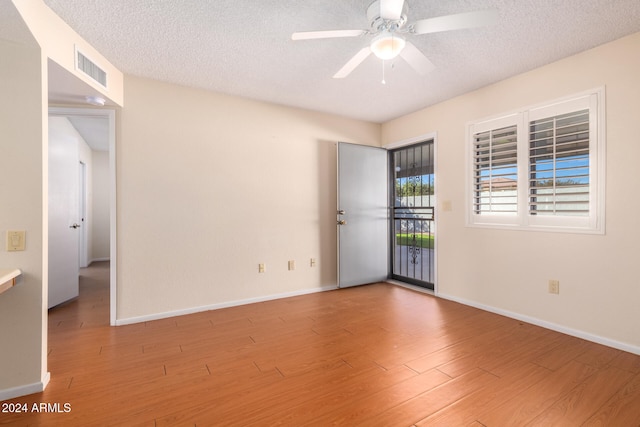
377, 355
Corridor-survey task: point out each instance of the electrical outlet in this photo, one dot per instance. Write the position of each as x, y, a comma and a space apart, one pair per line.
292, 265
554, 286
262, 268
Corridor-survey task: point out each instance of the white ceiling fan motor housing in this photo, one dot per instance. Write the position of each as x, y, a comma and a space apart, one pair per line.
379, 24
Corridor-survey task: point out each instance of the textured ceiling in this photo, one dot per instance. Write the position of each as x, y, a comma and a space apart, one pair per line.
244, 47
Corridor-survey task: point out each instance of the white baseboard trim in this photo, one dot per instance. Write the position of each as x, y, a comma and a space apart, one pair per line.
164, 315
23, 390
99, 259
548, 325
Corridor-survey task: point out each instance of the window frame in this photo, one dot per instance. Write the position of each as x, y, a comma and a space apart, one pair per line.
594, 222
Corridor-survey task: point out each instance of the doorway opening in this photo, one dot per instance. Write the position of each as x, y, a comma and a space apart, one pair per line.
412, 214
94, 214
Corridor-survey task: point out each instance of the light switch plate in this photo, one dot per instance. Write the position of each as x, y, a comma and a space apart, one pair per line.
15, 240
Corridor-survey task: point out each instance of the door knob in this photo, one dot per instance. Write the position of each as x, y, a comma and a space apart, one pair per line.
74, 225
342, 222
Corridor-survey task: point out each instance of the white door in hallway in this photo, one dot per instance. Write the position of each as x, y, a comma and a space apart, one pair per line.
64, 222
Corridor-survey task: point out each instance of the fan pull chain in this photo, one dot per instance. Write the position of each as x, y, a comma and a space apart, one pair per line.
383, 80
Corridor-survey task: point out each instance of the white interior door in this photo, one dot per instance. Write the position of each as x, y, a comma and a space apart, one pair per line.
63, 211
363, 221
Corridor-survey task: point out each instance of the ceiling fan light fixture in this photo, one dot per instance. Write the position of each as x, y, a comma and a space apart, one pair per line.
387, 45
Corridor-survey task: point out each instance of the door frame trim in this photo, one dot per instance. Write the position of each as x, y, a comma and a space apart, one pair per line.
110, 114
415, 140
82, 210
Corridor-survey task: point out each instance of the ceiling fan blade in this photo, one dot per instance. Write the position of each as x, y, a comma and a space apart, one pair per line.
309, 35
416, 59
353, 63
391, 9
456, 22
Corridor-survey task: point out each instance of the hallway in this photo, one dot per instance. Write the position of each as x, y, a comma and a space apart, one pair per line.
90, 309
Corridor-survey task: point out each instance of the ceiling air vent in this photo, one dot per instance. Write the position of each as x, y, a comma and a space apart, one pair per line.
90, 68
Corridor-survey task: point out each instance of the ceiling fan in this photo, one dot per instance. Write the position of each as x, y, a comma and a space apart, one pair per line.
388, 25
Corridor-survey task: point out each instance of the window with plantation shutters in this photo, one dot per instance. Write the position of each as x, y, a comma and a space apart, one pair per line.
559, 165
496, 171
541, 167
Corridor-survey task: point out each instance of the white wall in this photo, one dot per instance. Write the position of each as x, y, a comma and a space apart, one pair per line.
23, 315
100, 206
508, 270
210, 185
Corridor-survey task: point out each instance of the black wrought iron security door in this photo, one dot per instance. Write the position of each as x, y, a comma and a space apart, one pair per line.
413, 203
